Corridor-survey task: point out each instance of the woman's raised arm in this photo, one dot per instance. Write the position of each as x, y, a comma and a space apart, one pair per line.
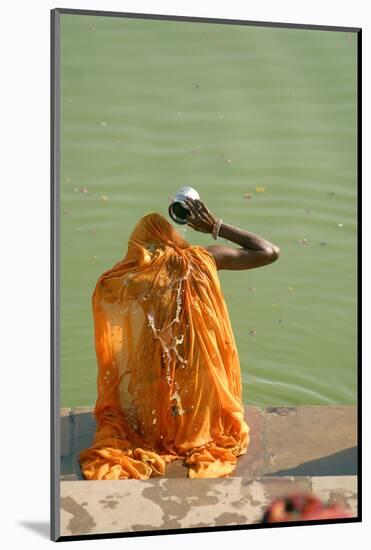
255, 252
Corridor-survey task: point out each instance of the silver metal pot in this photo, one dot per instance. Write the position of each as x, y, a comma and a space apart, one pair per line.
178, 210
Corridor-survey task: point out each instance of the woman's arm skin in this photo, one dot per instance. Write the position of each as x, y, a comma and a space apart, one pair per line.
255, 252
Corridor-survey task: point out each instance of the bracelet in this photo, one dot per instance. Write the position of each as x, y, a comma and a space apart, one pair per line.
216, 228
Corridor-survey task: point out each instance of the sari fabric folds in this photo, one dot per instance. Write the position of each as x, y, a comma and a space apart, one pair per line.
169, 380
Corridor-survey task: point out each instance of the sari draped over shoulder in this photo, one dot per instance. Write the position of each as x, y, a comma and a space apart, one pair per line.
169, 380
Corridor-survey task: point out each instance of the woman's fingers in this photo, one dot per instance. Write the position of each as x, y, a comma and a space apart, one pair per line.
192, 208
191, 224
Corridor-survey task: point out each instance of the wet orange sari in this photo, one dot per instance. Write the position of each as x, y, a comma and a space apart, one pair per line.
169, 380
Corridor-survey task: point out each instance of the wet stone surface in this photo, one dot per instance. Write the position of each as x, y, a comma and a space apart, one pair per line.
284, 441
314, 441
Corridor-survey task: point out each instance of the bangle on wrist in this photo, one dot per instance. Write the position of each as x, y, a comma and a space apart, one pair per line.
216, 228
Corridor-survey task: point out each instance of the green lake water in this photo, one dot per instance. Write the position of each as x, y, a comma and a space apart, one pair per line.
150, 106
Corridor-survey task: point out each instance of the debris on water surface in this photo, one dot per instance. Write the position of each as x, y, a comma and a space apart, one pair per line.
260, 189
83, 190
323, 243
331, 193
92, 29
65, 210
303, 241
248, 196
307, 211
274, 305
252, 289
92, 231
68, 180
340, 225
103, 123
104, 198
95, 257
194, 151
220, 116
291, 288
253, 332
196, 86
253, 150
76, 189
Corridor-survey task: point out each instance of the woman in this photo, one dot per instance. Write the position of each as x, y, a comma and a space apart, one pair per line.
169, 381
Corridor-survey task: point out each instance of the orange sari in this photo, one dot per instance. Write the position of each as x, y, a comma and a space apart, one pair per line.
169, 380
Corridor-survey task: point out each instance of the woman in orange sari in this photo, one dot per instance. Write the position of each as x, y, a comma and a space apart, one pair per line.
169, 380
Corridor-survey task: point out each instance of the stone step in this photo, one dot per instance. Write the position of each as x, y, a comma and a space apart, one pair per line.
284, 441
98, 507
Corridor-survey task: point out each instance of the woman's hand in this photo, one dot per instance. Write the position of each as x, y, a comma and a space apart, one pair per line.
199, 218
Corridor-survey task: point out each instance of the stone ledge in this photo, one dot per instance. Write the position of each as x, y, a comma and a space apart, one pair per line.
284, 441
159, 503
